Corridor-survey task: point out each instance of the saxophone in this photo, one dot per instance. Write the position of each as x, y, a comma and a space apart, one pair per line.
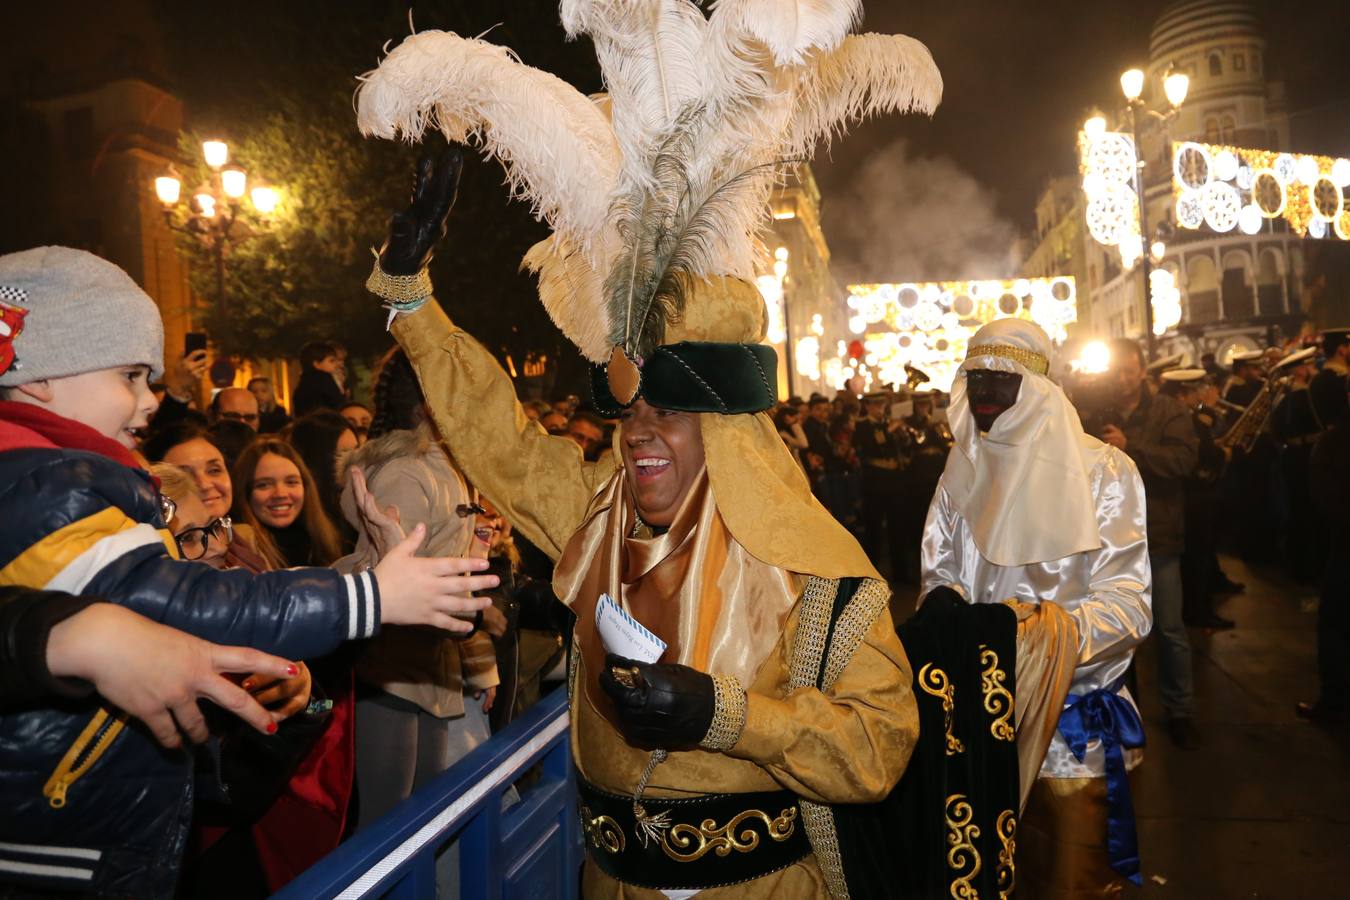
1253, 420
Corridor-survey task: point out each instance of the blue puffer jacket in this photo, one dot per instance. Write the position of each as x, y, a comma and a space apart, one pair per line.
89, 805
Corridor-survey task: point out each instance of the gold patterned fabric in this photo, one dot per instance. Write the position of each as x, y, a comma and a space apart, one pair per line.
1035, 362
718, 608
1047, 653
1061, 843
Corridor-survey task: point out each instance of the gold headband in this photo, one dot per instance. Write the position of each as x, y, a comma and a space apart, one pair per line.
1029, 358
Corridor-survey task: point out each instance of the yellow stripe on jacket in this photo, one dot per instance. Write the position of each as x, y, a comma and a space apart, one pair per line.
68, 558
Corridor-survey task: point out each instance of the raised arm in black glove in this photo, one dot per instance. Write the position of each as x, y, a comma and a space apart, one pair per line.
663, 705
414, 232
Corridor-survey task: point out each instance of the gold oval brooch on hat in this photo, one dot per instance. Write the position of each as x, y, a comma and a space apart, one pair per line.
624, 376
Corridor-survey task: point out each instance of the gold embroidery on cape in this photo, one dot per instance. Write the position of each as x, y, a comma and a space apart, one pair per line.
934, 682
852, 626
602, 832
808, 654
1006, 873
709, 837
573, 659
818, 820
998, 701
961, 835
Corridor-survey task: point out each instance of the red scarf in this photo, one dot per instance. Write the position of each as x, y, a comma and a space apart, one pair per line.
56, 431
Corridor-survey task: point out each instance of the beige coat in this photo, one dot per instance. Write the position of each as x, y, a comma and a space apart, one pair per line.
425, 666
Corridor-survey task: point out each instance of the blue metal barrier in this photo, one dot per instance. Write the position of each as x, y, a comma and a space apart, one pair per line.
532, 850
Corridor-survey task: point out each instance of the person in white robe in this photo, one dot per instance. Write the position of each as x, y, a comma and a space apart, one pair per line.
1033, 510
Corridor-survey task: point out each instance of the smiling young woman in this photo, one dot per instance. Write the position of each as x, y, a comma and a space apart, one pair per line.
272, 484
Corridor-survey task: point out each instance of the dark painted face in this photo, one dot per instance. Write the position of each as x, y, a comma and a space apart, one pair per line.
990, 393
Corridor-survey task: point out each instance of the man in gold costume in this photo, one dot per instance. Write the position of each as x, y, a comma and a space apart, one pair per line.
781, 688
708, 534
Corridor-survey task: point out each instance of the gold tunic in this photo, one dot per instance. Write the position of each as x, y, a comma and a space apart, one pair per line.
849, 745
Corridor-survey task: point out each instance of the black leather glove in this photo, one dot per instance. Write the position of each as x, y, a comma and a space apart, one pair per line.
414, 232
662, 705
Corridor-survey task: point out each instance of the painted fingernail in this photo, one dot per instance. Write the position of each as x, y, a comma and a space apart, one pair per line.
271, 727
247, 685
292, 670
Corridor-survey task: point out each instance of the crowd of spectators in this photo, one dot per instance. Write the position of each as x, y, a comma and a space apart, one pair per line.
185, 526
166, 527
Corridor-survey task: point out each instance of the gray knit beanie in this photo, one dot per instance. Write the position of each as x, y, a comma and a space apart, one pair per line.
67, 312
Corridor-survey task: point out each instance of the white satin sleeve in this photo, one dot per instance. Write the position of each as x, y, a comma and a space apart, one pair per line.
938, 560
1117, 614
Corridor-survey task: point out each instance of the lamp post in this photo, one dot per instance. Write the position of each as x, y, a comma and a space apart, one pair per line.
780, 271
214, 205
1175, 86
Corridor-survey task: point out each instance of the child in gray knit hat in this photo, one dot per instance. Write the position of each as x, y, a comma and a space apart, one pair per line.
81, 339
91, 806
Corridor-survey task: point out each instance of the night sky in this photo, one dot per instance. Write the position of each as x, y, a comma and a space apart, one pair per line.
906, 197
1019, 79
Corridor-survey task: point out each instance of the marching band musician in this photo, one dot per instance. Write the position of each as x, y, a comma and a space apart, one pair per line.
1328, 387
1296, 428
1247, 484
1189, 387
880, 443
1247, 378
930, 439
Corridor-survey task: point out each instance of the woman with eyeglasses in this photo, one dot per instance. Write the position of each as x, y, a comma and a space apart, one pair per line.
422, 695
296, 801
191, 448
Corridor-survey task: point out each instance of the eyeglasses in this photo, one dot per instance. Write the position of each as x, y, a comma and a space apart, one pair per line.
246, 418
464, 510
167, 508
193, 542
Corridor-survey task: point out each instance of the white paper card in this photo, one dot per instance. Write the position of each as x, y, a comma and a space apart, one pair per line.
622, 634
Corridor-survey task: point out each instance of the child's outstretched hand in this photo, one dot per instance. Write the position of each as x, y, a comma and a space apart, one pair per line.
430, 590
157, 673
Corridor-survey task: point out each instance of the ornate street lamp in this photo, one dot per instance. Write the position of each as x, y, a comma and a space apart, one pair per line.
1175, 86
214, 205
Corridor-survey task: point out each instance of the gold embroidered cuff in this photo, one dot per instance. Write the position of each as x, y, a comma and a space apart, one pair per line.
728, 714
399, 288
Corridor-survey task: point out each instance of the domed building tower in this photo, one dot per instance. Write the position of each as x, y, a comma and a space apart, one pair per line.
1239, 291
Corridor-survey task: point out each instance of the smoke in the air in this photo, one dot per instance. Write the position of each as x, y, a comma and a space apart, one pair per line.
906, 218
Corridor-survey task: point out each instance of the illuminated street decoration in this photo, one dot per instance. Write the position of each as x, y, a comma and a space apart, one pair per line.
771, 289
928, 324
1107, 160
807, 352
1225, 188
1166, 299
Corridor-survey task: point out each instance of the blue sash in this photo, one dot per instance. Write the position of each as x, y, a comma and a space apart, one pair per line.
1106, 716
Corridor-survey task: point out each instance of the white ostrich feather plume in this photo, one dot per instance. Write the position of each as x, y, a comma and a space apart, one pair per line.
667, 176
789, 29
556, 145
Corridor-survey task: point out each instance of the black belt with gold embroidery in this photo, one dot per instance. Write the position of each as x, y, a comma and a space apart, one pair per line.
692, 843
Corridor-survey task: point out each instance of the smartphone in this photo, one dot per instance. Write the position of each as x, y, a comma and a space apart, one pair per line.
194, 341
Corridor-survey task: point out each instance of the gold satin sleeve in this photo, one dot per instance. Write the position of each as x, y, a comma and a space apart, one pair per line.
538, 481
1047, 651
848, 746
